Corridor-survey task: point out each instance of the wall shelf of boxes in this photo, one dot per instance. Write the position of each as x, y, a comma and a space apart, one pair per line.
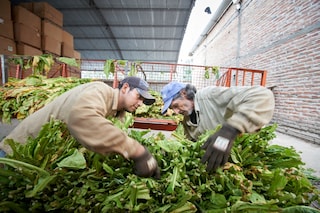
34, 28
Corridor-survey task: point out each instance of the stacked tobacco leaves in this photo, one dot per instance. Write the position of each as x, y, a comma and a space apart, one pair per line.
154, 110
53, 172
20, 98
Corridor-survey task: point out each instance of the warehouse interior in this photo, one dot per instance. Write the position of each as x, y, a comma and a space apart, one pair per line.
130, 30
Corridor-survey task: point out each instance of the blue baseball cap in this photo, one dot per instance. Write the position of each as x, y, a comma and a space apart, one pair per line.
168, 92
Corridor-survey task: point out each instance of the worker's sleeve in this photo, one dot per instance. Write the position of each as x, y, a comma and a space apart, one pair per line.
250, 110
87, 123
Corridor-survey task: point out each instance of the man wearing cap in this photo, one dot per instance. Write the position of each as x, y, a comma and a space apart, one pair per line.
84, 110
238, 109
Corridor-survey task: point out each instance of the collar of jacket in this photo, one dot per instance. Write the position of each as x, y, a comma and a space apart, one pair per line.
119, 114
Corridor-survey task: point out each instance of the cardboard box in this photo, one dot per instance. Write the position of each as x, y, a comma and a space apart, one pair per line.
7, 46
28, 6
76, 54
24, 49
26, 34
67, 38
5, 9
6, 28
46, 11
52, 30
67, 50
51, 45
24, 16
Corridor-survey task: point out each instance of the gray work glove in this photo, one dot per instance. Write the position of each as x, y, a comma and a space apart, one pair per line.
146, 165
218, 147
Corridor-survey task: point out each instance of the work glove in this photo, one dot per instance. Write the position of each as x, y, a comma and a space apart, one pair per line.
146, 165
218, 147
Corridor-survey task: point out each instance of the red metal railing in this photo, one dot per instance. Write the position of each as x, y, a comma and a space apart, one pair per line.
156, 74
239, 77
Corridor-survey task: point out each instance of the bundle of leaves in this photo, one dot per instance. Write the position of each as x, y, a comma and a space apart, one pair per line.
154, 110
20, 98
53, 172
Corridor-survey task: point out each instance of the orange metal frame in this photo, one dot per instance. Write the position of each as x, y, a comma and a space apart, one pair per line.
225, 79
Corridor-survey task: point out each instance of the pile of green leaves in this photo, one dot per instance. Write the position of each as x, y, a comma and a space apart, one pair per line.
154, 110
20, 98
53, 172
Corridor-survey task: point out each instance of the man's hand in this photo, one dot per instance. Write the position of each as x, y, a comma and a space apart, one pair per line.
146, 165
218, 147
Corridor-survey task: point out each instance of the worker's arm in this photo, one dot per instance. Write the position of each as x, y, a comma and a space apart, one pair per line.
88, 124
251, 109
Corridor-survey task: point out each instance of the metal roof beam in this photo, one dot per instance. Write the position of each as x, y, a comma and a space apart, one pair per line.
92, 4
125, 25
128, 50
128, 38
174, 10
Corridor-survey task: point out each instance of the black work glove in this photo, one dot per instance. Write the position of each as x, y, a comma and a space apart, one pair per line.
218, 147
146, 165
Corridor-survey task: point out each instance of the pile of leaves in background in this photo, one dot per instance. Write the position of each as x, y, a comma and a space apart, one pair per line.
154, 110
20, 98
52, 172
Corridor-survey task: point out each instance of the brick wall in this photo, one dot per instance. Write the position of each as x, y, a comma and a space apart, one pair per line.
282, 37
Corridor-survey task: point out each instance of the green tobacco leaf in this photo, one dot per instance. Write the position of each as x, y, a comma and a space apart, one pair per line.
278, 182
74, 161
122, 62
172, 146
133, 70
173, 180
42, 183
69, 61
206, 74
257, 198
24, 167
109, 67
107, 168
268, 207
33, 81
219, 200
300, 209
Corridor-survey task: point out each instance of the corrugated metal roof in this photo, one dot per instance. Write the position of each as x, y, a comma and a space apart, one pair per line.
135, 30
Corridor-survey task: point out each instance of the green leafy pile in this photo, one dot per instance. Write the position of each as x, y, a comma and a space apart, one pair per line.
20, 98
154, 110
53, 172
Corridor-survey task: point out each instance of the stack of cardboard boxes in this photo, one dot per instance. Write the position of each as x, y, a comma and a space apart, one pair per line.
7, 44
35, 28
27, 31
